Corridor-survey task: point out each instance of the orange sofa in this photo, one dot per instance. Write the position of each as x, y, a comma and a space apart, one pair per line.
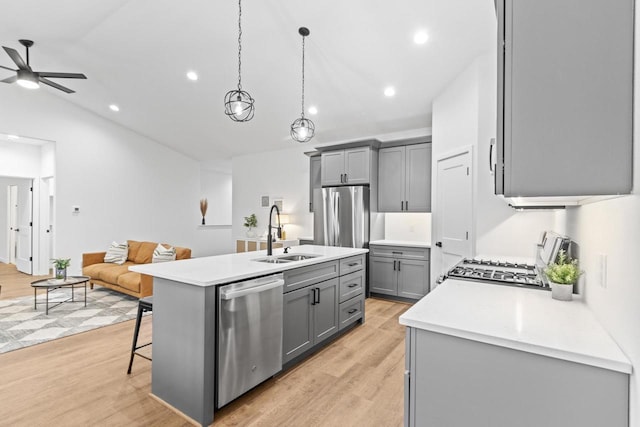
118, 277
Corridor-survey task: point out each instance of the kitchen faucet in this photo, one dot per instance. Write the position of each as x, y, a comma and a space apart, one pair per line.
270, 238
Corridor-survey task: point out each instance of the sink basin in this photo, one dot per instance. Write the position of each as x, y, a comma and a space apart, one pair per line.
272, 260
281, 259
297, 257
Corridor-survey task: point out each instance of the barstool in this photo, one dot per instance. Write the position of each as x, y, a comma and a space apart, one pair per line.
145, 304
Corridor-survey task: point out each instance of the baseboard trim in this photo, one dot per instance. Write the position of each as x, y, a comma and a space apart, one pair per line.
176, 410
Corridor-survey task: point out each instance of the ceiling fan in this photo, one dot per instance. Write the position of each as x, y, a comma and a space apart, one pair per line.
30, 79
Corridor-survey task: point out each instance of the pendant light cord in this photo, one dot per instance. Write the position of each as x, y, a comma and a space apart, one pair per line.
239, 44
303, 37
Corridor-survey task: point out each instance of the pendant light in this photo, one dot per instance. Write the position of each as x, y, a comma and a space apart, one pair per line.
303, 129
238, 104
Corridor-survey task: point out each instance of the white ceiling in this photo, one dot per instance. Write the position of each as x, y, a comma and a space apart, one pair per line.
136, 53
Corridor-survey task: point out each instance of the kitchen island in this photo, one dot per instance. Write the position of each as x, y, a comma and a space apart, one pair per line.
185, 320
492, 355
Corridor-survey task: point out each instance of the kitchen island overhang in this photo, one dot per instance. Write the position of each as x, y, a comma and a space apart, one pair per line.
184, 320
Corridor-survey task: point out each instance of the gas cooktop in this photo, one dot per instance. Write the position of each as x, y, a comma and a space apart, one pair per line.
506, 273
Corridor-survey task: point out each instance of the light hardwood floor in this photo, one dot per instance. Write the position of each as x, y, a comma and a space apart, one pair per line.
81, 380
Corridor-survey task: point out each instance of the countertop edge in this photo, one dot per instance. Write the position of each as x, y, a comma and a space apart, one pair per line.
405, 243
613, 365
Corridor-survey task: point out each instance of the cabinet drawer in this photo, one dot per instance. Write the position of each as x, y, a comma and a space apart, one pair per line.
400, 252
351, 310
349, 265
306, 276
351, 285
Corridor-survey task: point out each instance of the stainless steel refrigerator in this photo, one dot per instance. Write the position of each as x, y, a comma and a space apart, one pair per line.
342, 217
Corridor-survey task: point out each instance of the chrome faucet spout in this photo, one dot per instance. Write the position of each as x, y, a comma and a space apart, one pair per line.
270, 238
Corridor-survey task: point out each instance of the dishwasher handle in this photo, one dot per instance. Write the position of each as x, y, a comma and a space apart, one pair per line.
236, 293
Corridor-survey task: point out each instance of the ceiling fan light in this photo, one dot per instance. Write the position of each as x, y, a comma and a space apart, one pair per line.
28, 79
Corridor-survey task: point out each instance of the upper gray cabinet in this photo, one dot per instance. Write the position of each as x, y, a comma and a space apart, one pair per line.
346, 167
404, 178
565, 97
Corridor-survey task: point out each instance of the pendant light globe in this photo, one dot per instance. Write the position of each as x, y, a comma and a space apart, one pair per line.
239, 106
303, 129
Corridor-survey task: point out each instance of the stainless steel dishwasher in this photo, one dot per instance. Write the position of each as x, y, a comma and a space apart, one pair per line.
249, 335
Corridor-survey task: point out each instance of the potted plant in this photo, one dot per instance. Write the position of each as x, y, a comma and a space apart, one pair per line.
61, 265
562, 275
250, 222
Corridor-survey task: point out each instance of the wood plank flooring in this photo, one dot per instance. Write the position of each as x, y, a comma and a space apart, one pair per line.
81, 380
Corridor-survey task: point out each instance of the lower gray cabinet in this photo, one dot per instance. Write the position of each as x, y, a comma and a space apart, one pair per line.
310, 316
452, 381
399, 271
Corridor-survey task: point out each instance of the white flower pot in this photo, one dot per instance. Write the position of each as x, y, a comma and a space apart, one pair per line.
561, 291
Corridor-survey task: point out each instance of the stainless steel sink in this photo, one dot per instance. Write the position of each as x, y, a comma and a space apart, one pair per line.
272, 260
297, 257
281, 259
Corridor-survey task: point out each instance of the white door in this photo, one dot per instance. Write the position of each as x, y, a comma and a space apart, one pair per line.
23, 232
454, 209
13, 221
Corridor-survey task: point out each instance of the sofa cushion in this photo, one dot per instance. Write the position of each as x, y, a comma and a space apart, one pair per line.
183, 253
130, 280
163, 253
94, 270
117, 253
111, 272
145, 253
134, 247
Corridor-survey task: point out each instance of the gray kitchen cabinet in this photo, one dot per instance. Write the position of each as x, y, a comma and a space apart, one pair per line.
346, 167
315, 183
502, 387
399, 271
319, 300
565, 97
310, 316
404, 178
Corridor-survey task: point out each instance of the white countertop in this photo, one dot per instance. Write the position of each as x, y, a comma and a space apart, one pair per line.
216, 270
522, 319
408, 243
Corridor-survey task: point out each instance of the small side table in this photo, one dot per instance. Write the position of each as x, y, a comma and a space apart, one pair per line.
53, 284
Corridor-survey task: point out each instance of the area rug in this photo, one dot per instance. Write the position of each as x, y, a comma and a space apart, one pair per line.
22, 326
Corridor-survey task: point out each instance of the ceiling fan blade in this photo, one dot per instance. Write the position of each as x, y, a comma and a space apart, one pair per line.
16, 58
56, 85
62, 75
9, 79
7, 68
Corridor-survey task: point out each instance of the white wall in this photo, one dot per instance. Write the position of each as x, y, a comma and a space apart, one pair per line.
216, 187
282, 174
413, 227
464, 114
127, 186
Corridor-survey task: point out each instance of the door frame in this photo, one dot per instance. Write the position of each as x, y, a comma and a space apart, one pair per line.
436, 259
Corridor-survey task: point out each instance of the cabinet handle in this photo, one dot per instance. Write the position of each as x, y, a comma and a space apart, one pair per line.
353, 285
353, 310
318, 300
398, 265
406, 205
353, 264
394, 265
401, 205
396, 252
346, 178
313, 300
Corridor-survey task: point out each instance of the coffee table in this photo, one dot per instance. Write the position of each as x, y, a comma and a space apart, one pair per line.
53, 284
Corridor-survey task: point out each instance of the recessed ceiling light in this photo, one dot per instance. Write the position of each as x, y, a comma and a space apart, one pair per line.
192, 75
313, 110
390, 91
114, 107
420, 37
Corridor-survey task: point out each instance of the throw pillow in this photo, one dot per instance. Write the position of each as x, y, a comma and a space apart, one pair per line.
162, 254
117, 253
